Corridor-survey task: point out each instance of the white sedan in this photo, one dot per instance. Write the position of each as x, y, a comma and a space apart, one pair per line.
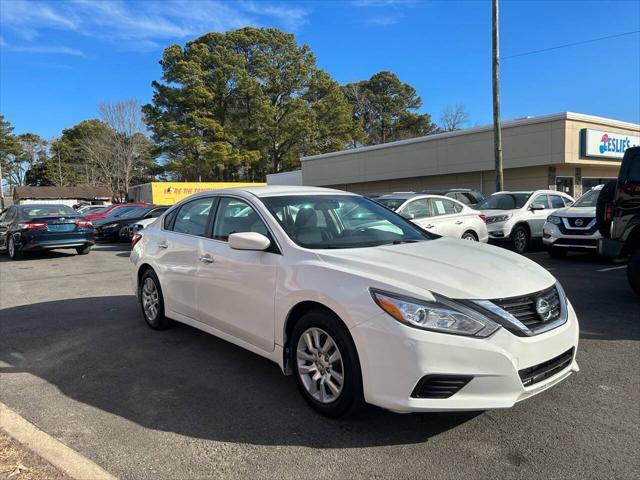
356, 302
440, 215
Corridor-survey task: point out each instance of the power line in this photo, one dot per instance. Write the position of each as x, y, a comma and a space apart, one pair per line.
570, 45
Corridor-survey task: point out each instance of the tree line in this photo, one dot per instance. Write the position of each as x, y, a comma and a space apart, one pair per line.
230, 106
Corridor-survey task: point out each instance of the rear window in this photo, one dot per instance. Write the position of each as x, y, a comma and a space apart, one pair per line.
391, 203
48, 211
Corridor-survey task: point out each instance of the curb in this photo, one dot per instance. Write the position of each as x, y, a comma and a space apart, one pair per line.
50, 449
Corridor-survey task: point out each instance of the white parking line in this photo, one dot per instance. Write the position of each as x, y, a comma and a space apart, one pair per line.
611, 268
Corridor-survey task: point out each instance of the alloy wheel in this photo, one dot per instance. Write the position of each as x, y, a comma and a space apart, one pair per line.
320, 365
469, 236
150, 299
520, 240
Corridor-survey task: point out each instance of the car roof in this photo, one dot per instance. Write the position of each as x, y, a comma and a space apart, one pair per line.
275, 191
41, 205
412, 196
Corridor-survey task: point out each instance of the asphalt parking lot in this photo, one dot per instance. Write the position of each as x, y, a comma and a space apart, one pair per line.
77, 360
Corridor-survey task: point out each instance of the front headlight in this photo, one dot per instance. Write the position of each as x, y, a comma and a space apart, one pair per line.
499, 218
443, 315
553, 219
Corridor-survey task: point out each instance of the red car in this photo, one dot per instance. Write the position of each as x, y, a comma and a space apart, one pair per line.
110, 210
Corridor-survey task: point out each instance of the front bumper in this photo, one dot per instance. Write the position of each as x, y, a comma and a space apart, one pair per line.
553, 237
394, 358
499, 231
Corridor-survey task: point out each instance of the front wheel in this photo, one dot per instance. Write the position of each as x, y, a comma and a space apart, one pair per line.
83, 250
521, 239
325, 364
633, 271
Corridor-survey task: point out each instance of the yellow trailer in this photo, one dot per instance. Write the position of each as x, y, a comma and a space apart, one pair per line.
168, 193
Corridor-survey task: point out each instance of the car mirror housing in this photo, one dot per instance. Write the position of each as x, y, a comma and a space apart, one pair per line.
536, 206
249, 241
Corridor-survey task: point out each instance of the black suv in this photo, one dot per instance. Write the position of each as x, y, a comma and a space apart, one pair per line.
465, 195
618, 216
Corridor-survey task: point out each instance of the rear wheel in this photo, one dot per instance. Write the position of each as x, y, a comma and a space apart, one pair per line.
469, 236
633, 271
557, 252
152, 301
14, 251
325, 364
83, 250
521, 239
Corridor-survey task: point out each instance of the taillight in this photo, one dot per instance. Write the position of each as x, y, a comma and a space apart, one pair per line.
84, 223
32, 225
135, 239
608, 212
483, 217
631, 188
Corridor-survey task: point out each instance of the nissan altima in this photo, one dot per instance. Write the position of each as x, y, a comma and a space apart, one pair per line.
355, 302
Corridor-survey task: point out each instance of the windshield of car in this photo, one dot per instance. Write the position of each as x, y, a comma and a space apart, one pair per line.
391, 203
504, 201
589, 199
48, 211
341, 221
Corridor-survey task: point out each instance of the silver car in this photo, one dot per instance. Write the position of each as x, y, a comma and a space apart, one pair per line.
574, 227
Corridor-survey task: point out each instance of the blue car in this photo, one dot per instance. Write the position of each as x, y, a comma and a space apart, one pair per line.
25, 228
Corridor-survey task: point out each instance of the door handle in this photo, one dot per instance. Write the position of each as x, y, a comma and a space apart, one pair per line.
163, 245
459, 222
429, 226
207, 259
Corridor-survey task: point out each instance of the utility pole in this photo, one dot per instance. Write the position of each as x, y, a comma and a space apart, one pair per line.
497, 134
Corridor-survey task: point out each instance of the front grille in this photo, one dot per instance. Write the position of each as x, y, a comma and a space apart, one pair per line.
440, 386
544, 370
525, 308
578, 229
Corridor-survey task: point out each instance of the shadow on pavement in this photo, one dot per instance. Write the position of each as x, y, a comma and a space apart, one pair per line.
99, 351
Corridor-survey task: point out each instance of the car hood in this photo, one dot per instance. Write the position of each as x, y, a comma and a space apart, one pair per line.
451, 267
495, 213
576, 212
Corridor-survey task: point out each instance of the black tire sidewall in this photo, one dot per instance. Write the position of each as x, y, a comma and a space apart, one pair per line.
83, 250
469, 233
17, 251
633, 271
604, 198
161, 321
527, 240
351, 397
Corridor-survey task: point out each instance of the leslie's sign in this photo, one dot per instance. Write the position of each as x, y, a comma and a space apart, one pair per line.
602, 144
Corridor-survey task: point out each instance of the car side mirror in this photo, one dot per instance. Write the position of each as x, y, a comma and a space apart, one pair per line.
407, 215
249, 241
536, 206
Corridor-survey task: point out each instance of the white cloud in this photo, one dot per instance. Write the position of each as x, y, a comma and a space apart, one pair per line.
48, 49
144, 25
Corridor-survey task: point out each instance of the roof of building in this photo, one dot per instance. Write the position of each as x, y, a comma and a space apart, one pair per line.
504, 124
79, 193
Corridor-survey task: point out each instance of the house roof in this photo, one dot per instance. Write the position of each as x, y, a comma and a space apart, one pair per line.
79, 193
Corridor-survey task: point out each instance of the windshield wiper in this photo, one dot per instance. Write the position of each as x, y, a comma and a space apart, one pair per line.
398, 242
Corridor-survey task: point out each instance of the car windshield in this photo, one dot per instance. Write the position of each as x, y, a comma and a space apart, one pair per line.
119, 211
134, 212
589, 199
504, 201
48, 211
341, 221
391, 203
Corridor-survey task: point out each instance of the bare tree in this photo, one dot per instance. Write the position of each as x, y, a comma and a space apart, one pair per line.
116, 152
454, 118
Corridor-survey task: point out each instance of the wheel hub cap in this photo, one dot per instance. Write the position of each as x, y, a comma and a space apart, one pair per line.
320, 365
150, 299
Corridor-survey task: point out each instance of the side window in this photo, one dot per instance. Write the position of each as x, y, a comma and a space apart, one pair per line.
11, 215
3, 214
556, 201
418, 208
567, 202
168, 220
463, 198
192, 218
156, 213
236, 216
542, 200
442, 206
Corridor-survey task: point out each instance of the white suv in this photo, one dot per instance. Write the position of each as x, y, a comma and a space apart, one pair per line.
518, 217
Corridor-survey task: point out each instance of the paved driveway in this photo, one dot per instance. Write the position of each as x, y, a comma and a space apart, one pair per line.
77, 360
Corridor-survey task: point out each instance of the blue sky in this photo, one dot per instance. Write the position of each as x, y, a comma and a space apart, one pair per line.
59, 59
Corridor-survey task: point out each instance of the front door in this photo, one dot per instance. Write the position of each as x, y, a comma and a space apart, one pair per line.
419, 212
236, 288
538, 217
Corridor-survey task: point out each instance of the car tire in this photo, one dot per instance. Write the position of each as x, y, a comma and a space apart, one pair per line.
605, 198
152, 301
13, 250
557, 252
469, 235
338, 389
633, 271
83, 250
521, 239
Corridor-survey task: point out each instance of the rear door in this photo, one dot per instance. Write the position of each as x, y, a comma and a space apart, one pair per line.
447, 217
420, 213
536, 218
176, 249
5, 223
